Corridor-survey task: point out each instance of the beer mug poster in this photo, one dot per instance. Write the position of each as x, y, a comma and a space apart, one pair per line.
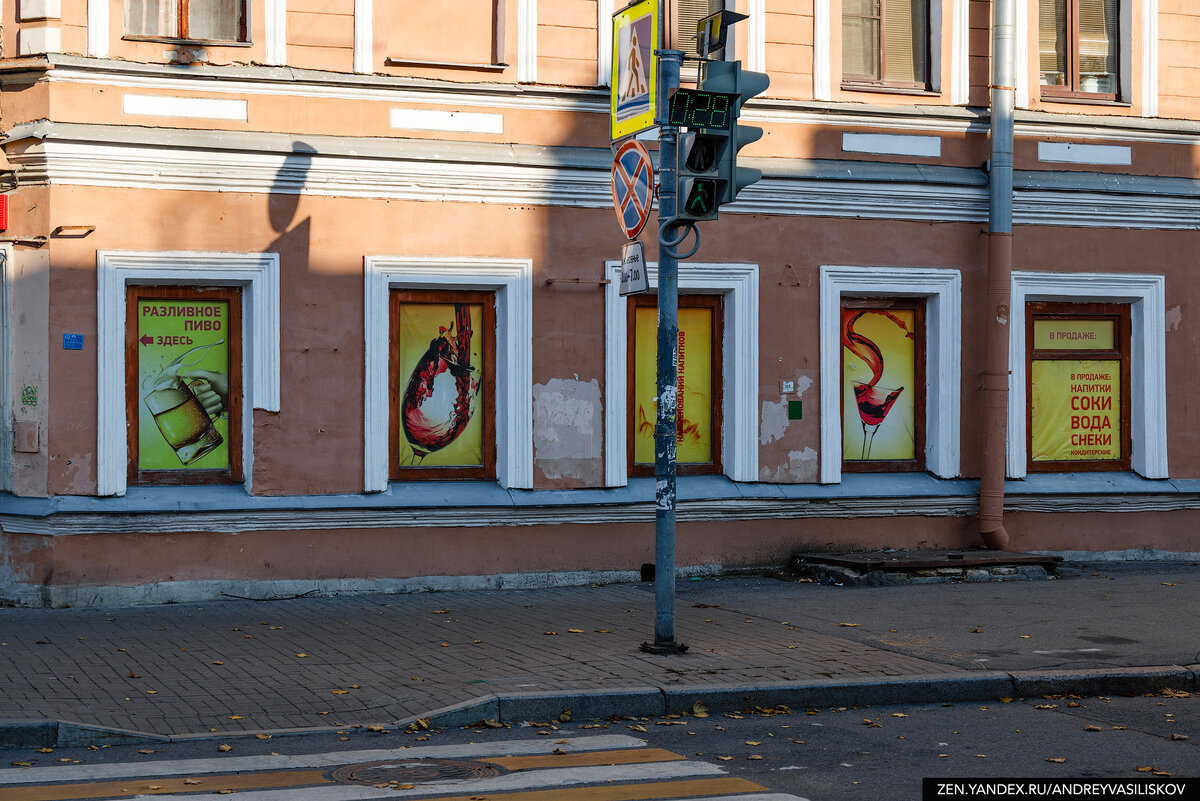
183, 384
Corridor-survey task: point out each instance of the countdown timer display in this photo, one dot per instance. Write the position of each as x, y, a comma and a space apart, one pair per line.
693, 108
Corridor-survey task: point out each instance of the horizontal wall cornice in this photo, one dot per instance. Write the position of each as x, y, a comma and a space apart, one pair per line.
430, 170
745, 509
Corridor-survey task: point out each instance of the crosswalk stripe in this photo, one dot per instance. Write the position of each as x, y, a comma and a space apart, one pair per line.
516, 785
626, 757
127, 788
150, 768
279, 779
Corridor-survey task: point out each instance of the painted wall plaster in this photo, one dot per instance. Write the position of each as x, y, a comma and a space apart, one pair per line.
800, 465
567, 434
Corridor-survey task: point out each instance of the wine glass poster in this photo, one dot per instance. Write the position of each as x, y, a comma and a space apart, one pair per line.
878, 381
441, 367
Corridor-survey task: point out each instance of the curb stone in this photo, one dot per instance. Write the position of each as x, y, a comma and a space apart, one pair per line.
651, 701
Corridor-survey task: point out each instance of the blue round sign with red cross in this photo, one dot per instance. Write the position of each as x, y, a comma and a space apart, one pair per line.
632, 186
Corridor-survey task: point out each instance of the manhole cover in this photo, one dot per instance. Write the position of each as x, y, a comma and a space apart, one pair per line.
412, 771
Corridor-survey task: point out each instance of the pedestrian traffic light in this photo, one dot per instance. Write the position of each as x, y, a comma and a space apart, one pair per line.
699, 183
728, 77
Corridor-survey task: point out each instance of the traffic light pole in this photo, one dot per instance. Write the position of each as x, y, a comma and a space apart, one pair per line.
665, 441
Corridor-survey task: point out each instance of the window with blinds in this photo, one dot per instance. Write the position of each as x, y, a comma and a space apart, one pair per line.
686, 15
1077, 48
190, 20
886, 42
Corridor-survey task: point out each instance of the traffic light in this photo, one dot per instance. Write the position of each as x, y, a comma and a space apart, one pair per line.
699, 183
728, 77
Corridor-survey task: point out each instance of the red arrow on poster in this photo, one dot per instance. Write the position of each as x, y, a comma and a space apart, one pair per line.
147, 340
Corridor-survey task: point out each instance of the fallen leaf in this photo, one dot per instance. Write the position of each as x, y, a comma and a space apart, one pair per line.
1146, 769
134, 676
753, 742
445, 645
982, 756
724, 758
565, 717
235, 717
218, 662
441, 611
699, 710
262, 736
339, 692
45, 750
193, 781
22, 764
1119, 728
1092, 728
1167, 584
1024, 636
943, 755
558, 751
1006, 700
549, 633
1161, 773
1179, 736
423, 723
636, 728
151, 692
1045, 706
575, 631
604, 631
754, 756
1059, 760
225, 792
147, 751
377, 728
976, 630
302, 656
899, 715
849, 625
223, 748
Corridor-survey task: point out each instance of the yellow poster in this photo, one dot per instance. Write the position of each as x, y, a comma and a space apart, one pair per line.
878, 384
693, 425
1075, 409
1074, 334
441, 373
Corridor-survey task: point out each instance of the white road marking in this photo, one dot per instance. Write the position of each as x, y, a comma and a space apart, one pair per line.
191, 767
1071, 651
511, 782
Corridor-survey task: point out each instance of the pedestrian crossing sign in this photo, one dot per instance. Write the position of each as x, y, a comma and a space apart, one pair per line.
634, 96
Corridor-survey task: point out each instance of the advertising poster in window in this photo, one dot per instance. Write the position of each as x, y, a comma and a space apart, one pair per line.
694, 399
1075, 410
878, 384
183, 384
441, 375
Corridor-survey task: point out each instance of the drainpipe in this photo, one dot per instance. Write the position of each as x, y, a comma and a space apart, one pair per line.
999, 276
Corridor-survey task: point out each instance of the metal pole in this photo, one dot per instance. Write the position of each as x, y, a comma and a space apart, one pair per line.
668, 375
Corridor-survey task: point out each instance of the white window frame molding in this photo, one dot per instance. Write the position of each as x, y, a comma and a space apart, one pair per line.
275, 35
942, 291
6, 374
527, 41
512, 281
756, 36
1147, 393
1149, 58
604, 12
960, 53
738, 283
258, 276
822, 51
98, 32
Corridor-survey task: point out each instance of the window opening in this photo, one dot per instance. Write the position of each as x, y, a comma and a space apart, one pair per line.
886, 43
883, 384
1077, 48
183, 385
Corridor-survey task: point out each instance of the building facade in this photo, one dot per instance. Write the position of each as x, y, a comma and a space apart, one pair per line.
323, 296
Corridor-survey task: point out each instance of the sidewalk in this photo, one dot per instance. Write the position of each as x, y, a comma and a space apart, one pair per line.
457, 657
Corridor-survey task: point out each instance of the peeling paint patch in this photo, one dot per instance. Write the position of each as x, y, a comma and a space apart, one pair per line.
803, 382
1174, 317
800, 468
773, 423
567, 433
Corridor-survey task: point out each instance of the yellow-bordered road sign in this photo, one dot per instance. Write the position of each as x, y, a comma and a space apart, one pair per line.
634, 69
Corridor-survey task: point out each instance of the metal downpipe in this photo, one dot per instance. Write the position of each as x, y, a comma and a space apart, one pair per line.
999, 277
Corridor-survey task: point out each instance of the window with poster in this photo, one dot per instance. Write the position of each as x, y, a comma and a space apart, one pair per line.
442, 385
1078, 411
883, 384
698, 410
183, 369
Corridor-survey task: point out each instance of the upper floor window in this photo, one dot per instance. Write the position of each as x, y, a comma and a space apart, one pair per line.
190, 20
886, 43
1077, 48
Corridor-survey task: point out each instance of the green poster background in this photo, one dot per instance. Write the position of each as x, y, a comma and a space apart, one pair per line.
176, 347
420, 325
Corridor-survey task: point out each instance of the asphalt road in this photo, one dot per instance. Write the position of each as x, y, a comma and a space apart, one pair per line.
839, 754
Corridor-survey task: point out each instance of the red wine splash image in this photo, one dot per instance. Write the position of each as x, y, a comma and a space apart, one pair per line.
873, 402
434, 411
